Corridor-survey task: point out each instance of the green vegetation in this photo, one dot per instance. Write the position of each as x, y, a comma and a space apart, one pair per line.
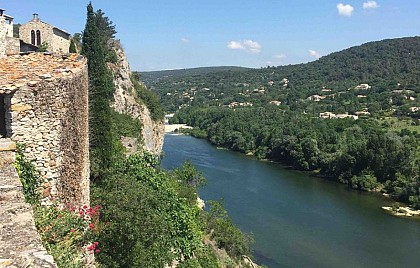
43, 47
149, 77
125, 125
224, 232
72, 48
275, 113
28, 176
390, 67
360, 153
102, 138
149, 216
66, 231
149, 98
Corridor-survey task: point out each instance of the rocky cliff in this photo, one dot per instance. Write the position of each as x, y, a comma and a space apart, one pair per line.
126, 101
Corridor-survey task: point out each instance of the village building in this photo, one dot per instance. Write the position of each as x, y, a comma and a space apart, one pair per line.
316, 98
363, 87
275, 102
36, 32
362, 113
31, 36
8, 44
329, 115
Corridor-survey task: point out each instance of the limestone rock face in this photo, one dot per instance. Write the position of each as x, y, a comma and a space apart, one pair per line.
125, 101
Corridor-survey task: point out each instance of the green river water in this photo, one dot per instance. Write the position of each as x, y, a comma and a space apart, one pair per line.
298, 220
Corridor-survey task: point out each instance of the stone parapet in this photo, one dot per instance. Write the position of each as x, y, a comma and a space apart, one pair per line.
20, 244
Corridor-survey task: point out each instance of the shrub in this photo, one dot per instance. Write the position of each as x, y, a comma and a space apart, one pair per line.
29, 177
225, 233
67, 232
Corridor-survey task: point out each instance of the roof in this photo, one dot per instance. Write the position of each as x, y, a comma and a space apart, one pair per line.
32, 68
58, 29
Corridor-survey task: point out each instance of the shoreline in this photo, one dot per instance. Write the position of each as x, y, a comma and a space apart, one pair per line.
402, 211
405, 212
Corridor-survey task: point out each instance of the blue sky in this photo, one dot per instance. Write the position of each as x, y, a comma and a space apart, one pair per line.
173, 34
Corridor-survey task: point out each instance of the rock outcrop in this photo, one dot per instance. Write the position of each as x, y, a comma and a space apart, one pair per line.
126, 101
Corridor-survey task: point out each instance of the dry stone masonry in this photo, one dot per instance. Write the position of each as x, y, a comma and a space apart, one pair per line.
3, 36
44, 105
20, 244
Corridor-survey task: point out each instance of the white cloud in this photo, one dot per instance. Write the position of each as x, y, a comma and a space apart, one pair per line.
370, 5
235, 45
314, 53
247, 45
185, 40
345, 10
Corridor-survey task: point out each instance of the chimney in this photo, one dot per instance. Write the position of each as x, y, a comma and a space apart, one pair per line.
2, 11
35, 17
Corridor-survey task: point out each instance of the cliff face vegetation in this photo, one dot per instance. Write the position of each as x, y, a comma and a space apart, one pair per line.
149, 217
127, 100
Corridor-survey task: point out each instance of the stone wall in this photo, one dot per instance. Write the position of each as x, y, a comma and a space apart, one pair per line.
3, 34
12, 45
9, 27
20, 244
49, 114
57, 40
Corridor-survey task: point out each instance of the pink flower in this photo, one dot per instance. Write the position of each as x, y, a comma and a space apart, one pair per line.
91, 225
72, 230
97, 251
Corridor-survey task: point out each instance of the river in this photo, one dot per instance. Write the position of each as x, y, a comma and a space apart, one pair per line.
298, 220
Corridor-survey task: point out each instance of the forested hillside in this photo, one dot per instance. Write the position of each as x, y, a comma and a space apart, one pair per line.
150, 77
390, 68
351, 116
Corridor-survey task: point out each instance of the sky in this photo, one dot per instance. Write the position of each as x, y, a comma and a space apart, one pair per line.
175, 34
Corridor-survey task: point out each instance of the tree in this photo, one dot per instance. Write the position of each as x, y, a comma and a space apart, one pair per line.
43, 47
72, 48
101, 88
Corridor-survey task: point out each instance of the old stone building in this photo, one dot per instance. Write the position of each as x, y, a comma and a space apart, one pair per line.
8, 44
36, 32
44, 105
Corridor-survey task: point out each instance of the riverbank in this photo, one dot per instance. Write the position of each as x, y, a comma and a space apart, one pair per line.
176, 127
403, 212
297, 220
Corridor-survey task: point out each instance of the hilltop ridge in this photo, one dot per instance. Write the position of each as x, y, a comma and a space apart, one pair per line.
387, 67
